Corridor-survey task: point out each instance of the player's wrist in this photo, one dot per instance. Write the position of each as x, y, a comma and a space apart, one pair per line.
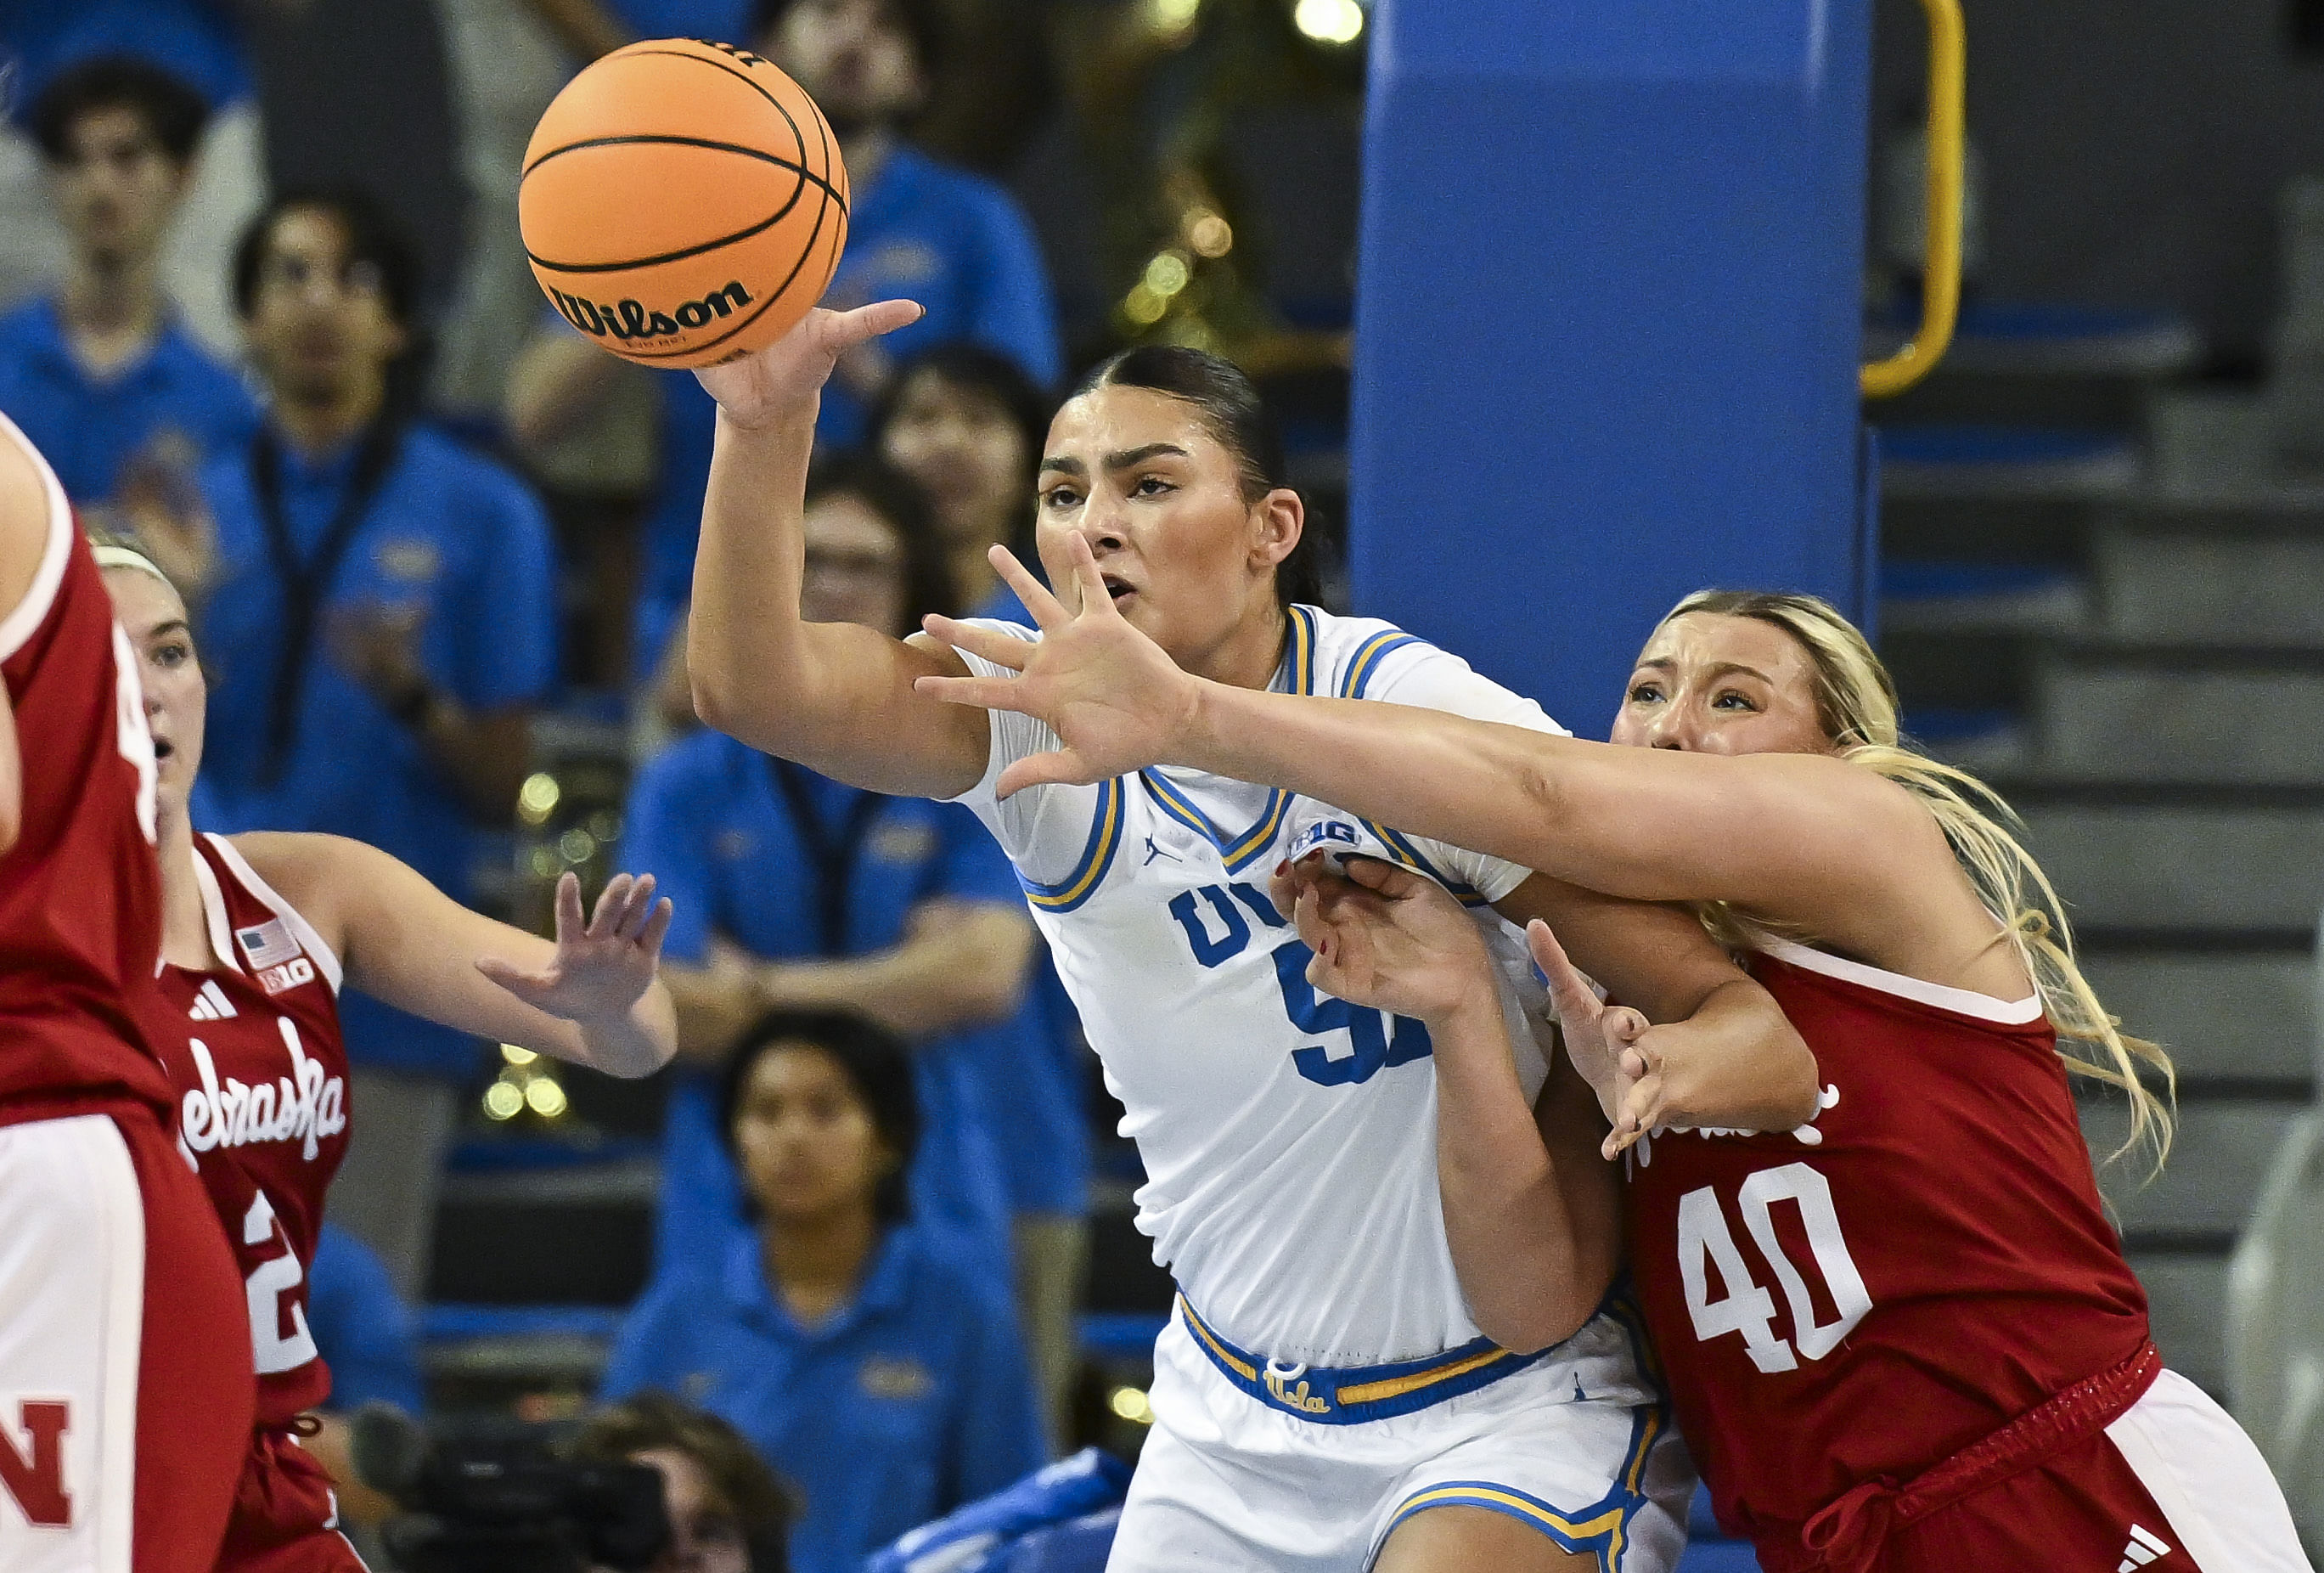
1466, 1003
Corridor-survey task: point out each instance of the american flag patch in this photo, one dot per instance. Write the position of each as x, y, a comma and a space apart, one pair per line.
267, 944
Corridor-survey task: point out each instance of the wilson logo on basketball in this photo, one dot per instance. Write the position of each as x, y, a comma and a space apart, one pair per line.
628, 319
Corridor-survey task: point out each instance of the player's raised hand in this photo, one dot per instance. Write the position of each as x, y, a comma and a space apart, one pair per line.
1111, 695
1610, 1045
603, 966
1385, 937
759, 386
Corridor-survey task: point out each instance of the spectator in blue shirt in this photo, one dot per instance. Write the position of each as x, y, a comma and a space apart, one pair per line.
378, 604
791, 890
967, 424
921, 229
102, 374
869, 1363
362, 1327
197, 39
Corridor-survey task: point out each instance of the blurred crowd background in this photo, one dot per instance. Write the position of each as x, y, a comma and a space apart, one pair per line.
266, 308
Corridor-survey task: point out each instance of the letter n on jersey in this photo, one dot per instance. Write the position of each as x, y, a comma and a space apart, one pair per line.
34, 1473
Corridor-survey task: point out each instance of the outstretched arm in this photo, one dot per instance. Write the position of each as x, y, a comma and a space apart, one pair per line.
835, 696
1721, 1050
1807, 839
959, 963
590, 998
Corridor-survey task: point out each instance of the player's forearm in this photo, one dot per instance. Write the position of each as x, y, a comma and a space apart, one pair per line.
1428, 773
585, 26
745, 628
711, 1007
1737, 1063
1530, 1275
834, 697
947, 975
487, 754
1643, 824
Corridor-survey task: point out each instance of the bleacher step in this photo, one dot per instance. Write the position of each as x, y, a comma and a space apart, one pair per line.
2218, 1162
2247, 1012
2194, 570
2187, 1296
2151, 713
2179, 859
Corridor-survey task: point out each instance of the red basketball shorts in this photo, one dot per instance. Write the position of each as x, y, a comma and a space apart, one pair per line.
2172, 1485
125, 1384
286, 1518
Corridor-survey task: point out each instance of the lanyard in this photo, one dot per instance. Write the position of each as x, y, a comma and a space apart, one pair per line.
307, 580
833, 855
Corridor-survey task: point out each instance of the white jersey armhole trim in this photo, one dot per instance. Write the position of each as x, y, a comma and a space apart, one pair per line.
213, 909
308, 940
1961, 1002
17, 628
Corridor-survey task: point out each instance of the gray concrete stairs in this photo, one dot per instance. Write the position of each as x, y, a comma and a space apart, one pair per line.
2168, 757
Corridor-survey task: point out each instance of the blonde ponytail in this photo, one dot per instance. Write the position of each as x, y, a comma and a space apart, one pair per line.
1857, 703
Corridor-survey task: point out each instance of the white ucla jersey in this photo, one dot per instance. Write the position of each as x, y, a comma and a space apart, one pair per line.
1289, 1138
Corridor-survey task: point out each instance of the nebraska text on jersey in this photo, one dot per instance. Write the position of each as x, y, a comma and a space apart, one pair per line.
305, 1106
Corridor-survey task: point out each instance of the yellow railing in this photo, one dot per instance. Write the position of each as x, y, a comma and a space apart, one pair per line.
1940, 271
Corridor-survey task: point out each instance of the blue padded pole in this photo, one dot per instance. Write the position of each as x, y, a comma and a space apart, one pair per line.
1608, 323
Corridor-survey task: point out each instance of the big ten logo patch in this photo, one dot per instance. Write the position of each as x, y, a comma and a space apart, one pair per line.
897, 1378
32, 1461
290, 974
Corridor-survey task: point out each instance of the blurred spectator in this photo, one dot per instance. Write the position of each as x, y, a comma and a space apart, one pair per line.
590, 28
728, 1513
378, 603
505, 67
199, 42
867, 1360
358, 96
362, 1327
794, 891
952, 241
967, 424
366, 1335
101, 374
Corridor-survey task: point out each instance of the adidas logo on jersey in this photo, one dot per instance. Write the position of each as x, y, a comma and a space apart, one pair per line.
211, 1004
2144, 1547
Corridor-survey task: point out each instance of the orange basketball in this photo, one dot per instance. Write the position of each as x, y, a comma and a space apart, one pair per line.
683, 202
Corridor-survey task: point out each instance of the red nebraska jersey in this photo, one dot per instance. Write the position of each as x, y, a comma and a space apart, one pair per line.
81, 894
261, 1077
1867, 1295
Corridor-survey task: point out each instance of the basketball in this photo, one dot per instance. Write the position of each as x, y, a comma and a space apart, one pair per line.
683, 202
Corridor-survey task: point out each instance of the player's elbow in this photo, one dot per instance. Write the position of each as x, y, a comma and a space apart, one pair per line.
712, 705
1539, 1321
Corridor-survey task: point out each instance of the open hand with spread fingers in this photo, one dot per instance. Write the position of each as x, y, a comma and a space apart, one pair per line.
602, 967
1612, 1046
1114, 699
